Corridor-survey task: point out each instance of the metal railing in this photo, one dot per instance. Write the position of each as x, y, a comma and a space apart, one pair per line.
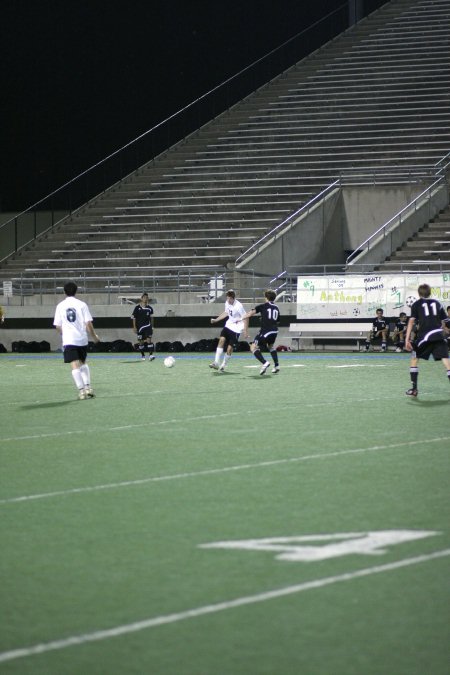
195, 285
116, 167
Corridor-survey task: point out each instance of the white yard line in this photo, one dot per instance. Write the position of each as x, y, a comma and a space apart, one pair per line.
361, 365
227, 469
185, 420
135, 627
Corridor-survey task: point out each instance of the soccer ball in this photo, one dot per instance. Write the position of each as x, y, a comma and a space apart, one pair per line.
169, 362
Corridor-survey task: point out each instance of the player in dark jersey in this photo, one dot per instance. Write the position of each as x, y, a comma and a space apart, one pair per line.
430, 339
447, 326
270, 316
398, 336
142, 326
380, 329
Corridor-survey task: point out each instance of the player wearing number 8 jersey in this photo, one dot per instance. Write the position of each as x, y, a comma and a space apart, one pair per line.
74, 321
430, 340
270, 316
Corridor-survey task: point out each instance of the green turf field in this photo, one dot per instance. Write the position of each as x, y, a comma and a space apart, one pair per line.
186, 522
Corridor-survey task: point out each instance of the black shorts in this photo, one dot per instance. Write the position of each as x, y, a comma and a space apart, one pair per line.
438, 349
144, 333
74, 353
231, 338
265, 340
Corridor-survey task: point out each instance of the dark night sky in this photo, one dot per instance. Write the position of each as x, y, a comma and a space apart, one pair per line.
79, 79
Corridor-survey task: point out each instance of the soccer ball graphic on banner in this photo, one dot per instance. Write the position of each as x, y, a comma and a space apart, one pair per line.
169, 362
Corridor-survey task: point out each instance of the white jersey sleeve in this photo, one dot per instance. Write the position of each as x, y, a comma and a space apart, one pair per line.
235, 313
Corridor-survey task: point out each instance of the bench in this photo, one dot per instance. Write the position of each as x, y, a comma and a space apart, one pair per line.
329, 333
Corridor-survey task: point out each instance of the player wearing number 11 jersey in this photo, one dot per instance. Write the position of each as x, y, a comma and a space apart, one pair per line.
430, 315
270, 317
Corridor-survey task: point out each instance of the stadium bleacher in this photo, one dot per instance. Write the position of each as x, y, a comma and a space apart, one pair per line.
376, 98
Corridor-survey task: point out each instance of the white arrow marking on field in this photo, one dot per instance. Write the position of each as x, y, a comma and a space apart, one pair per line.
295, 550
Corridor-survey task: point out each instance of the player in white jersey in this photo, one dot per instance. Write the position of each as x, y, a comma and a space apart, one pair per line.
229, 337
74, 321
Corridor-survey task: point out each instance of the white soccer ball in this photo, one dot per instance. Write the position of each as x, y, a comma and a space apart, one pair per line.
169, 362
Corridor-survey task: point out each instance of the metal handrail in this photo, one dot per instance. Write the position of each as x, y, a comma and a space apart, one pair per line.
445, 157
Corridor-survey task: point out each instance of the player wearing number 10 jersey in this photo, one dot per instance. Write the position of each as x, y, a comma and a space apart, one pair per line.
270, 317
430, 315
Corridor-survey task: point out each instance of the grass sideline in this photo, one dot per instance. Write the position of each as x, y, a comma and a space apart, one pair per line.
106, 506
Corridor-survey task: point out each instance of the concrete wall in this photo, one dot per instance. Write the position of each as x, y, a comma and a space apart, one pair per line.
368, 207
186, 335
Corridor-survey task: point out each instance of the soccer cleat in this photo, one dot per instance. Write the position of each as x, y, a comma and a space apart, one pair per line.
276, 369
399, 349
89, 392
264, 368
82, 396
214, 365
151, 357
222, 368
412, 392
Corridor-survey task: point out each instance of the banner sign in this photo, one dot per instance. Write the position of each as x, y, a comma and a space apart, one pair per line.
359, 296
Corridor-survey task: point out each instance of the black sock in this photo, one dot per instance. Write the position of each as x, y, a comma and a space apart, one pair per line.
257, 354
414, 372
274, 355
142, 350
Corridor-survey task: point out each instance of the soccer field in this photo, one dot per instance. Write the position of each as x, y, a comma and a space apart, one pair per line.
188, 522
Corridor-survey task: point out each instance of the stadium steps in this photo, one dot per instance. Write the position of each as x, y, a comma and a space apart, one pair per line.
431, 244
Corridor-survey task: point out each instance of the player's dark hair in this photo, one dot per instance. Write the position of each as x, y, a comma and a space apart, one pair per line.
448, 308
144, 295
231, 294
424, 291
380, 310
402, 313
270, 295
70, 288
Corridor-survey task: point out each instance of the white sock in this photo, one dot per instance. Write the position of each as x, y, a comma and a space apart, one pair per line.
76, 374
85, 374
219, 352
226, 358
